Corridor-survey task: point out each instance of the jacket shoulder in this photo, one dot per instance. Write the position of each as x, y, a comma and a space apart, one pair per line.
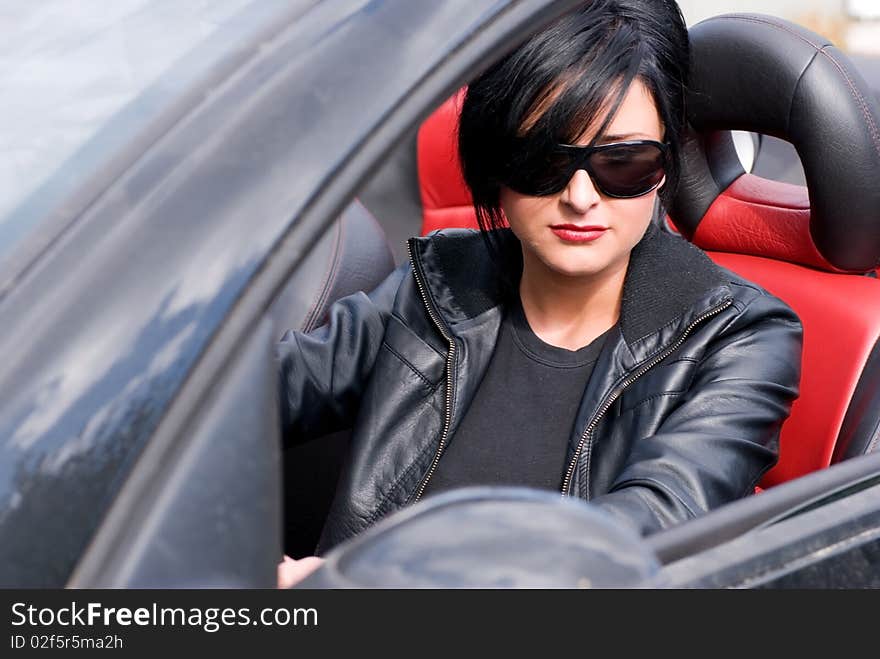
744, 292
748, 295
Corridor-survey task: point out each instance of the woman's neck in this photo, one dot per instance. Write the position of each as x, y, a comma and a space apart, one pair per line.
570, 312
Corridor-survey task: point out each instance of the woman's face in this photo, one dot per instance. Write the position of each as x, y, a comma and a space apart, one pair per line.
578, 232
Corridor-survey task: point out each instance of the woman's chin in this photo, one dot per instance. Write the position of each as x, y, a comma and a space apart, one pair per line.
576, 268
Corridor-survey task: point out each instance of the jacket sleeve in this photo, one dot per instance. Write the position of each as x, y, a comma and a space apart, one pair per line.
724, 435
323, 373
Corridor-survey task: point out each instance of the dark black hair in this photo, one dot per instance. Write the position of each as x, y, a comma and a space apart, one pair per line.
552, 88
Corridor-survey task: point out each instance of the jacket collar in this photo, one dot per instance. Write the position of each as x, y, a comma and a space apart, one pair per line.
668, 279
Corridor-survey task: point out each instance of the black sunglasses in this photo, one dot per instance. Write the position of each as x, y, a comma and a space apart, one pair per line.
621, 170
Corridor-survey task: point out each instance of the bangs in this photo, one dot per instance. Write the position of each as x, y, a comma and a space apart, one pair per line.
566, 110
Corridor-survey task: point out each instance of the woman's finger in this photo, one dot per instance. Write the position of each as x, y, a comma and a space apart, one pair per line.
291, 572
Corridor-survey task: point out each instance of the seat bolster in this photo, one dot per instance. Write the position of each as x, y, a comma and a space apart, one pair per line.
841, 329
860, 432
353, 255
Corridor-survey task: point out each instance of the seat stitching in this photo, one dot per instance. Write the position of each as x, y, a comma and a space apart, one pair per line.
875, 134
326, 285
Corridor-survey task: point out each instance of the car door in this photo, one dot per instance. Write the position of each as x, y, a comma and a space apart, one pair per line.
202, 506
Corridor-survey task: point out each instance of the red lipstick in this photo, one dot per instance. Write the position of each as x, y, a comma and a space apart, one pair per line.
573, 233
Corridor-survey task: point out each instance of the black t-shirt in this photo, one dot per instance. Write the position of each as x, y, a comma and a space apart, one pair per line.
517, 428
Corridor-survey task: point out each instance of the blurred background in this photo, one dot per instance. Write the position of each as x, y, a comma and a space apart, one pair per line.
854, 25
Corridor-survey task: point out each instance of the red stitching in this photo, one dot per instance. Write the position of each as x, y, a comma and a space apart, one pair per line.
875, 135
860, 99
329, 275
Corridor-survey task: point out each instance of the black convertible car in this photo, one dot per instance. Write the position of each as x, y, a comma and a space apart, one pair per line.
274, 168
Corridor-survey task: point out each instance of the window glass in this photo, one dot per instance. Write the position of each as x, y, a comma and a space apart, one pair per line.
79, 79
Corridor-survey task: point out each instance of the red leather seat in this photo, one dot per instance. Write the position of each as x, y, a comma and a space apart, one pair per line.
817, 249
840, 313
446, 201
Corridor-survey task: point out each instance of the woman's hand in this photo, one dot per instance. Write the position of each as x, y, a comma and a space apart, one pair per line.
291, 572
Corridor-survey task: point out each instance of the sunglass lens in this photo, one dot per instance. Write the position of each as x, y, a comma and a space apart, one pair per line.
628, 170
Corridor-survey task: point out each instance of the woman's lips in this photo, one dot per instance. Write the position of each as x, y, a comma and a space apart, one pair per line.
572, 233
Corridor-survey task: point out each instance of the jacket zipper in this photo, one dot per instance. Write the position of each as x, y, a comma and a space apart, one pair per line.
587, 437
450, 361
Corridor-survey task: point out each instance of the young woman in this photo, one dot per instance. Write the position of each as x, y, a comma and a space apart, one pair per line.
582, 349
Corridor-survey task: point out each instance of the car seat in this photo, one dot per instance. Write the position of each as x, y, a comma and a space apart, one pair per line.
353, 255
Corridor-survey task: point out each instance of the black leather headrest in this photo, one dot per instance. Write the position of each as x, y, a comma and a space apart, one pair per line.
767, 75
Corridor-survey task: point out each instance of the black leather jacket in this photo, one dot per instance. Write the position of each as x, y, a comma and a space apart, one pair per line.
682, 413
